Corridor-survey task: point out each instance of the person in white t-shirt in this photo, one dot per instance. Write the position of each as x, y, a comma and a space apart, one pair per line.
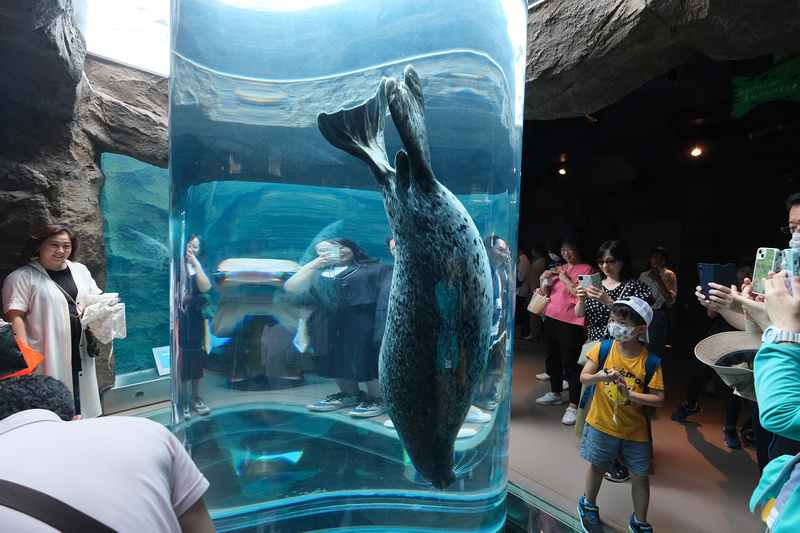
129, 473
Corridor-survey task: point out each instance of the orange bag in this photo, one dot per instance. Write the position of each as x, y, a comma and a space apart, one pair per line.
32, 357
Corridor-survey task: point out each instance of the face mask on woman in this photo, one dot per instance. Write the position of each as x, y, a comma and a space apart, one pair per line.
621, 333
554, 257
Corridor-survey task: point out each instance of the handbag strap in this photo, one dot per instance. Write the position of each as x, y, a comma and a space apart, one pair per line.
48, 509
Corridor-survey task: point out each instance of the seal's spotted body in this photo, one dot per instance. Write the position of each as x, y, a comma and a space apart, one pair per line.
435, 348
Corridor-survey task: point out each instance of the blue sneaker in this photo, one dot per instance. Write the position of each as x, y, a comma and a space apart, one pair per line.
639, 527
731, 437
684, 411
590, 517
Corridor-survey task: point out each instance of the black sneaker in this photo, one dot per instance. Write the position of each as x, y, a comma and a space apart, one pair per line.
731, 437
590, 517
639, 527
684, 411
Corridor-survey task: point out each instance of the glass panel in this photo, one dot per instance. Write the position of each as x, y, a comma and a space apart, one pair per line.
135, 203
283, 279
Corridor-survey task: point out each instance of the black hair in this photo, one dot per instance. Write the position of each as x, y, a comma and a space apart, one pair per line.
30, 248
626, 312
659, 250
620, 252
573, 240
389, 240
21, 393
360, 257
201, 253
491, 240
745, 262
793, 200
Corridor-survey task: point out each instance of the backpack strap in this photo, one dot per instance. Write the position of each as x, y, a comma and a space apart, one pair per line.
605, 349
650, 367
48, 509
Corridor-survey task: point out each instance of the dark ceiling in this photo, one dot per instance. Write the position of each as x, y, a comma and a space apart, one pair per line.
629, 174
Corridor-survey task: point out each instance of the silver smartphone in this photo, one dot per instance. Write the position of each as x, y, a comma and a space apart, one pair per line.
767, 260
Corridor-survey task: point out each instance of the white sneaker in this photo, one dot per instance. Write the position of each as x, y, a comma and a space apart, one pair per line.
569, 416
565, 385
551, 398
476, 416
544, 376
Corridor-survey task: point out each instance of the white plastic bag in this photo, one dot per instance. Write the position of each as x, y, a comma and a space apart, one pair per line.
105, 315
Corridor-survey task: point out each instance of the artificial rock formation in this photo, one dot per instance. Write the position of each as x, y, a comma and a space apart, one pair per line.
583, 56
59, 109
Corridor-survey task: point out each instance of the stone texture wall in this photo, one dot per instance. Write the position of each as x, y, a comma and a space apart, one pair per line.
59, 110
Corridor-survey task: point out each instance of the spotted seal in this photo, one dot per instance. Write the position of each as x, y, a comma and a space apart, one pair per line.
434, 351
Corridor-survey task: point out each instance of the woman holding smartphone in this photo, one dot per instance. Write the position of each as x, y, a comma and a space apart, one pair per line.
343, 285
564, 331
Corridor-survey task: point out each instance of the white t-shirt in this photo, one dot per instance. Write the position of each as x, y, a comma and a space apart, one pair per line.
130, 473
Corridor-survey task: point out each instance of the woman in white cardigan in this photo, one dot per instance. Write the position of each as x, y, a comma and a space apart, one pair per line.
43, 301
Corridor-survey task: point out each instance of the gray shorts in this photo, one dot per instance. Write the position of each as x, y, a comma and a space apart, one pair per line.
601, 449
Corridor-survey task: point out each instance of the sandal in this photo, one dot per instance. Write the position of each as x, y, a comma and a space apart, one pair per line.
617, 473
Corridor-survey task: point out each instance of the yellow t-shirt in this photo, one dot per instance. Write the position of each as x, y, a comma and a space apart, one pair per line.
610, 412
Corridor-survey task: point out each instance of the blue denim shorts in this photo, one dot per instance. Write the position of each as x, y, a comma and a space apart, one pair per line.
601, 449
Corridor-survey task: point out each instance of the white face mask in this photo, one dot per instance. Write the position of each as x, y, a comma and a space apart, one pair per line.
621, 333
554, 257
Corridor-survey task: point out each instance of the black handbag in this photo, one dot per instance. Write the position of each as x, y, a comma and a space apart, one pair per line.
11, 358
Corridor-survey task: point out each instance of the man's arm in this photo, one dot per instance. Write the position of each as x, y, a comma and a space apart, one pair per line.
196, 519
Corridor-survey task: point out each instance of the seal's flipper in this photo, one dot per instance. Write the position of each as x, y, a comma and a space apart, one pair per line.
408, 114
359, 132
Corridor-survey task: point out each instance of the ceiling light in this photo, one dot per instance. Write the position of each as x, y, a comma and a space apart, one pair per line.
696, 151
562, 171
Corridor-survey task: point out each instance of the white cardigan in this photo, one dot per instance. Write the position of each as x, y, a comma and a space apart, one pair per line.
29, 289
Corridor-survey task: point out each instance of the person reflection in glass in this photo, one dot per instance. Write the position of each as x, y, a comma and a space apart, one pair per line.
191, 324
499, 262
343, 285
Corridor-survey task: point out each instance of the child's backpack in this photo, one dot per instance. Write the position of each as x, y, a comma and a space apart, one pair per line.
650, 367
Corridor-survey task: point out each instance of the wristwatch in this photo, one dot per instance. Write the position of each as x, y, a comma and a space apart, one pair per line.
774, 334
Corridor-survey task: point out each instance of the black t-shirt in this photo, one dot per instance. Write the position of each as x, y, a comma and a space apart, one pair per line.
64, 279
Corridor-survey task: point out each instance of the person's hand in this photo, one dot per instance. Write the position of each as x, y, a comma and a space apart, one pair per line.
598, 294
752, 304
622, 387
580, 292
782, 307
562, 275
698, 292
721, 297
654, 273
190, 257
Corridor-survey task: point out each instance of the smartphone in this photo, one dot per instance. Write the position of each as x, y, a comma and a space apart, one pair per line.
333, 251
722, 274
791, 261
590, 280
767, 260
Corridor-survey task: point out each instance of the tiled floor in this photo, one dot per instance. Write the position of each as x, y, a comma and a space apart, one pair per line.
697, 483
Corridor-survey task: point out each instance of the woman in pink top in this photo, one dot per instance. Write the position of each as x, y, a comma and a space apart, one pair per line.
564, 332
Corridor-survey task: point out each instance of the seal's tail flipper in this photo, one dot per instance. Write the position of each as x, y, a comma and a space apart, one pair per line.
407, 106
359, 132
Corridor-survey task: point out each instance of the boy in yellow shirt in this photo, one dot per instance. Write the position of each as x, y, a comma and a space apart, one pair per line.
625, 383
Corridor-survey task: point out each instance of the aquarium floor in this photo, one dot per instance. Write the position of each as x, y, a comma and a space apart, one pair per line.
697, 483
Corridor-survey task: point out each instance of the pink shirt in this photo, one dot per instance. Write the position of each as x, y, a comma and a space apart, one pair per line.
562, 302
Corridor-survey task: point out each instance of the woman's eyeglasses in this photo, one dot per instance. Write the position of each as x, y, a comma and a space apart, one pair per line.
568, 250
609, 262
790, 229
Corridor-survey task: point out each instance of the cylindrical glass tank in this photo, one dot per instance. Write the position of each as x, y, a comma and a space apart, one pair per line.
286, 289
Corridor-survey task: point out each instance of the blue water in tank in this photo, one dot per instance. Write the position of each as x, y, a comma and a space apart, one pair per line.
252, 176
